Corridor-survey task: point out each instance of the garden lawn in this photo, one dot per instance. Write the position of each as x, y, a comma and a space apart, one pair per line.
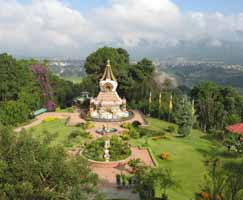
187, 156
74, 79
59, 131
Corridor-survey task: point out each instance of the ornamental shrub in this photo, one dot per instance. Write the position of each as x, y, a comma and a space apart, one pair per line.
84, 134
184, 130
171, 129
135, 163
151, 133
125, 136
126, 125
134, 133
165, 156
74, 134
86, 125
136, 124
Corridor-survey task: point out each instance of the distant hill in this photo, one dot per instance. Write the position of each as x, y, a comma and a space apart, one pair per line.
192, 74
72, 70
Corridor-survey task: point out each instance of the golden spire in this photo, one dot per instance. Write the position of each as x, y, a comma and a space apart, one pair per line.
108, 74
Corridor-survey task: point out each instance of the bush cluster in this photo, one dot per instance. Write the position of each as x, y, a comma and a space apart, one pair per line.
126, 125
165, 156
78, 133
171, 129
150, 133
87, 125
123, 180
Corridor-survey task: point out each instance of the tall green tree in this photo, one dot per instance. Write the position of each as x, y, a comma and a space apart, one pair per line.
214, 104
184, 117
234, 181
223, 181
148, 180
32, 169
13, 112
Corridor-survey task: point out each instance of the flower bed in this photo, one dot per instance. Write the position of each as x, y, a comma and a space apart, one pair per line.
49, 119
118, 150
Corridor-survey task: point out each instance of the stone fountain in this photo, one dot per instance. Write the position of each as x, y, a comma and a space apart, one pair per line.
105, 130
106, 150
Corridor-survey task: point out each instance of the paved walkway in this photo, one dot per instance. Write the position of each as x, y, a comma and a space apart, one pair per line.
73, 119
108, 175
114, 193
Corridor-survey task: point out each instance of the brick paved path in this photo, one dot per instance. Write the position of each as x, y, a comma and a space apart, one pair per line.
108, 174
74, 118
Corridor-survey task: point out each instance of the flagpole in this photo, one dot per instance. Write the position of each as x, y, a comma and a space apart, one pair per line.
160, 105
170, 107
150, 100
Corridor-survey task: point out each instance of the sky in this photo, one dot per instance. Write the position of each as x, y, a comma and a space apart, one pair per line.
74, 28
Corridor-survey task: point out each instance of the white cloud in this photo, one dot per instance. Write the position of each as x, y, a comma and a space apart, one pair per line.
42, 27
52, 28
132, 21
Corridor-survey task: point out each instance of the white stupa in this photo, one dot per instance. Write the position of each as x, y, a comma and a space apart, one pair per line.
108, 105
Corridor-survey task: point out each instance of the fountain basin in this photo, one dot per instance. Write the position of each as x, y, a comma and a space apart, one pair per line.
106, 130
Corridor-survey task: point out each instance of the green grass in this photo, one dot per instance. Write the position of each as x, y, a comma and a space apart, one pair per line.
74, 79
68, 109
187, 157
59, 131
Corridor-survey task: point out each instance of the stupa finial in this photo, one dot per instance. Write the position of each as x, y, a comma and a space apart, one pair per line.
108, 62
108, 74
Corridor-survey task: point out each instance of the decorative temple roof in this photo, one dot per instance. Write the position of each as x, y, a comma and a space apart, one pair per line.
108, 74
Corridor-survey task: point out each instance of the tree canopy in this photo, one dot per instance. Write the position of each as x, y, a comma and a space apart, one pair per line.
217, 106
32, 169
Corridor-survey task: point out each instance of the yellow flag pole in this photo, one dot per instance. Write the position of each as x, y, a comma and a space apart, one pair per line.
170, 106
150, 101
160, 104
193, 107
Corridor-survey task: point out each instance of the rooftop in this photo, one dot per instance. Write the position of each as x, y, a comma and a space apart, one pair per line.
236, 128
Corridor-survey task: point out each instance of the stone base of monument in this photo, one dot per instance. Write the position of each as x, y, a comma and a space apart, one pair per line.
98, 118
